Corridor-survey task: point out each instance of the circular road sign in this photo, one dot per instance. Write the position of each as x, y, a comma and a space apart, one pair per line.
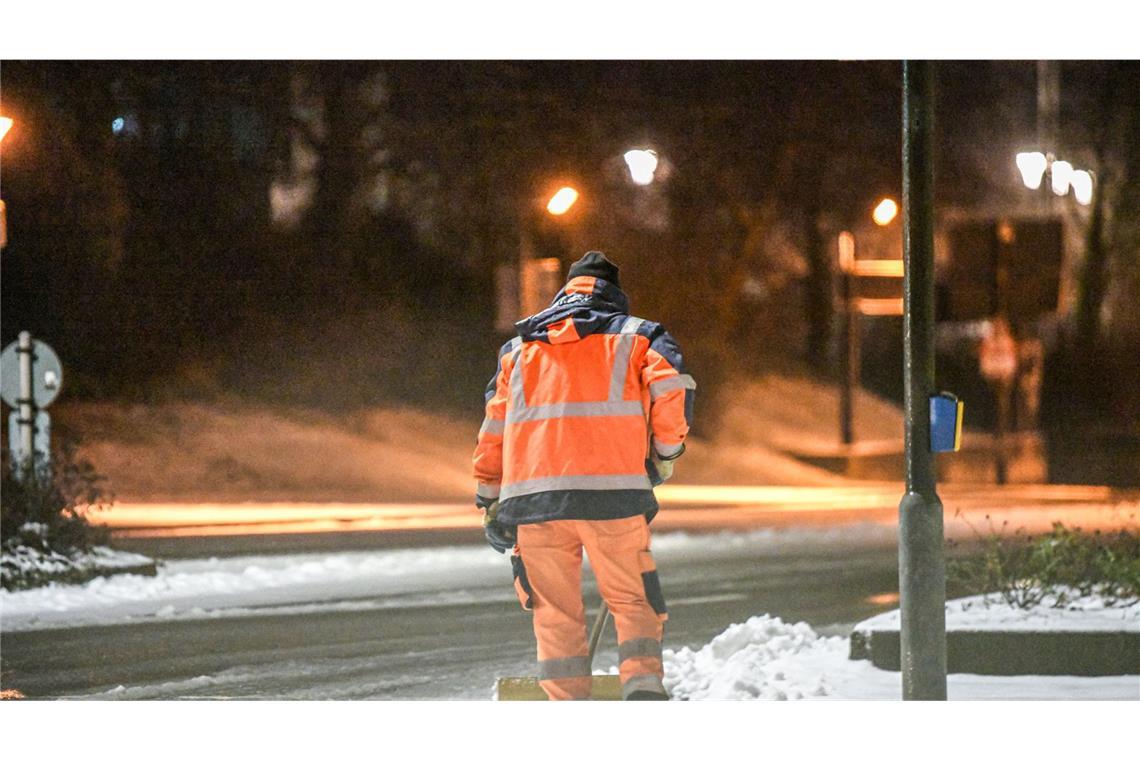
47, 374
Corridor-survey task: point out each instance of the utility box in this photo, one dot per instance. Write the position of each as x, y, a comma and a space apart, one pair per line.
945, 422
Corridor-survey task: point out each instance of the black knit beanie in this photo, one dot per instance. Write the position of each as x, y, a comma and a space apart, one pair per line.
595, 264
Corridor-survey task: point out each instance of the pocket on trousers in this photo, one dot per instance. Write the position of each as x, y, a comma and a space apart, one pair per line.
652, 584
522, 583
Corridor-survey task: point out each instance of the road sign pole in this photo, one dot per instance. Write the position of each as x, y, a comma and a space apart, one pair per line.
23, 463
30, 379
922, 571
848, 361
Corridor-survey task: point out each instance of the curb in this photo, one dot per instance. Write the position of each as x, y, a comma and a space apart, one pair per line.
1015, 653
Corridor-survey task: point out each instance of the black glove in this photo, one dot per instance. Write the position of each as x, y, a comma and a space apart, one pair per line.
501, 537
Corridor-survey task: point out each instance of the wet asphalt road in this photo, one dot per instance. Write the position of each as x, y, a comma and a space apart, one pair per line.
444, 651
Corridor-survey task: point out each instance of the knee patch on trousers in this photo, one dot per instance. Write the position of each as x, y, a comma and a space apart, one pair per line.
522, 583
652, 585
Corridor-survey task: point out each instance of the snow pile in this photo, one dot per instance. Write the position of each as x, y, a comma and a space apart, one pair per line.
766, 658
762, 658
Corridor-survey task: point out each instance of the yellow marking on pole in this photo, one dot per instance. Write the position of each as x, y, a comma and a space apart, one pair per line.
958, 426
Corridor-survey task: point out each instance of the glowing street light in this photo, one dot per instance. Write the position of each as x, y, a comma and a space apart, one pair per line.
1082, 186
642, 165
1062, 175
5, 125
562, 200
1032, 167
885, 212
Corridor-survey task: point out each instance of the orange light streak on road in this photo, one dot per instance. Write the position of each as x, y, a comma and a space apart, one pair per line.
891, 598
684, 507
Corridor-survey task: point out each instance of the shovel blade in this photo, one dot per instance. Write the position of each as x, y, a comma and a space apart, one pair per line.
604, 688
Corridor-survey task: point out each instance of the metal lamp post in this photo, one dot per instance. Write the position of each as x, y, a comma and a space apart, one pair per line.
532, 272
922, 570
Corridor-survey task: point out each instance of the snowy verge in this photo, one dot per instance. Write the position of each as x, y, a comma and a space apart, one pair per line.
989, 612
315, 582
26, 567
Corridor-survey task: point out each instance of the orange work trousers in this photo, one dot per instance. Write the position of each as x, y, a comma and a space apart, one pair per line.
551, 554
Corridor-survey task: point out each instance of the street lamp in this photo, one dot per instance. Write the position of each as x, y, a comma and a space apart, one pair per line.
1062, 173
1082, 186
1032, 167
5, 125
562, 201
1062, 176
642, 165
885, 212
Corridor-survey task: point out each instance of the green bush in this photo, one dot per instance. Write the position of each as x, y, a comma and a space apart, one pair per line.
1059, 567
46, 509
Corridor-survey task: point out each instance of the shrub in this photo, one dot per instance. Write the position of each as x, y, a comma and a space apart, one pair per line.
47, 508
1059, 567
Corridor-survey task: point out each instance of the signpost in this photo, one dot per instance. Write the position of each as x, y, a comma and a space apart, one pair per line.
30, 379
870, 287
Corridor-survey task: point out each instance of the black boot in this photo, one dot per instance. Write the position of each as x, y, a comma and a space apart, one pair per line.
644, 695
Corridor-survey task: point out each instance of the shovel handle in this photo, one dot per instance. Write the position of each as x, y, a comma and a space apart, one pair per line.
596, 632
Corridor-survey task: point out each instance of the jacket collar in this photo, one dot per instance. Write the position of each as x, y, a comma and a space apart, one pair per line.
590, 301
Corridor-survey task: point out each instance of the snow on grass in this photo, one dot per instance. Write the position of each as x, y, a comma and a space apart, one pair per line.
24, 566
988, 612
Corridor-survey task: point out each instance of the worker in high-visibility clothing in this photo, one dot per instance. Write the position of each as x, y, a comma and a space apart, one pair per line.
587, 411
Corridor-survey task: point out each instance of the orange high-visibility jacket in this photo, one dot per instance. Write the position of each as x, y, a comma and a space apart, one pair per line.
575, 403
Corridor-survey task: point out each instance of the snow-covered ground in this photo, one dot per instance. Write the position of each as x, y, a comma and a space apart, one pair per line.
30, 565
760, 658
263, 584
991, 612
766, 658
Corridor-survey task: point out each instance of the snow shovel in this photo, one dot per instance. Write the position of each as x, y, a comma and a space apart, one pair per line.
601, 687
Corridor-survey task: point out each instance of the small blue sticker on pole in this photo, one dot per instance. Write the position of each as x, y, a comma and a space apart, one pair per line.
945, 422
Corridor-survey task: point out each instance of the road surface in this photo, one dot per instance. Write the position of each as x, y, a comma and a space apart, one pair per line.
453, 642
442, 650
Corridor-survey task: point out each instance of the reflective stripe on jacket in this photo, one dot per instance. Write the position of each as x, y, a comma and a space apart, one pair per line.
577, 399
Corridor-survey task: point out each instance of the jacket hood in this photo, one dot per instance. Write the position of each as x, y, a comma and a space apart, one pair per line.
586, 305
